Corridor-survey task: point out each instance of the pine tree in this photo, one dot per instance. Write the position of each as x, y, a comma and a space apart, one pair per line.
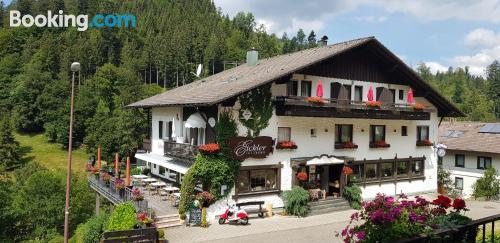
311, 39
301, 39
10, 156
2, 13
493, 75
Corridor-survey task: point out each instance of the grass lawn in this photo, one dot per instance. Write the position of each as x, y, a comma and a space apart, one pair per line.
50, 155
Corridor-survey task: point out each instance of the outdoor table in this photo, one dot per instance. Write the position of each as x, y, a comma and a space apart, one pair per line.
177, 194
171, 189
149, 180
139, 176
158, 184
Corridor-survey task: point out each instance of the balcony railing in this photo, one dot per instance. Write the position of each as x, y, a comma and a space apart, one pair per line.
115, 195
180, 150
146, 145
298, 106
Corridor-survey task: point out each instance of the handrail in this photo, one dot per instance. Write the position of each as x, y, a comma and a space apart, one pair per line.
180, 150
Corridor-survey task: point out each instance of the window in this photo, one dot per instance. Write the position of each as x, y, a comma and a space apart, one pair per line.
386, 170
357, 173
371, 172
404, 131
348, 88
422, 133
358, 93
402, 168
160, 130
401, 94
459, 160
162, 170
483, 162
170, 130
377, 133
417, 167
258, 180
305, 87
284, 134
292, 88
343, 133
459, 183
313, 132
393, 92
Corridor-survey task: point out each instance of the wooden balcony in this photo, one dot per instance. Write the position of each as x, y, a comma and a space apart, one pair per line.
180, 150
298, 106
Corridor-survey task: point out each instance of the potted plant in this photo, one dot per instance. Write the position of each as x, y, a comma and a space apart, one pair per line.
144, 219
379, 144
106, 178
120, 186
286, 145
205, 198
161, 236
373, 104
346, 145
444, 180
302, 176
316, 100
137, 194
418, 107
209, 149
425, 142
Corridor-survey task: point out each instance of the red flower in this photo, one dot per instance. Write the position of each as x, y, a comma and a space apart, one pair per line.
373, 103
302, 176
347, 170
286, 145
418, 106
442, 201
209, 148
458, 204
316, 100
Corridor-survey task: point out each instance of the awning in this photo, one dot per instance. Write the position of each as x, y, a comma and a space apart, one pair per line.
325, 160
196, 121
163, 161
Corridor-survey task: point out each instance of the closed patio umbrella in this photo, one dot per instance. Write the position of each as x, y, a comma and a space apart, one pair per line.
127, 179
370, 94
409, 97
98, 157
116, 164
319, 89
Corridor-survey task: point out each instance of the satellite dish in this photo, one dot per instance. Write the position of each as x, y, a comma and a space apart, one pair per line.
198, 70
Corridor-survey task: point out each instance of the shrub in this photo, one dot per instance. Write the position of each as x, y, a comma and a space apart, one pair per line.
205, 198
91, 231
135, 171
161, 234
296, 201
187, 190
122, 218
487, 186
353, 194
146, 171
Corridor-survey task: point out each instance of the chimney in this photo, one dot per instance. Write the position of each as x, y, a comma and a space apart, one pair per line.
252, 57
323, 41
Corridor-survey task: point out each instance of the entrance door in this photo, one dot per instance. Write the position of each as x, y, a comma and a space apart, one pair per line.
335, 180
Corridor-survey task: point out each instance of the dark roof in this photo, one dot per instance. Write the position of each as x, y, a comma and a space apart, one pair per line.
467, 136
233, 82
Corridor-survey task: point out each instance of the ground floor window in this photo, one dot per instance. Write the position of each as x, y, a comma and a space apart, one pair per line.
258, 180
459, 183
369, 171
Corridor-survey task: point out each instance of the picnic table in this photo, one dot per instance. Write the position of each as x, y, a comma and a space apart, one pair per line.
149, 180
139, 176
158, 184
171, 189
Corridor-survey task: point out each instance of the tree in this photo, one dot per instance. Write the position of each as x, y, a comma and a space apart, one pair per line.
301, 39
311, 39
493, 76
259, 102
10, 156
7, 219
2, 13
487, 186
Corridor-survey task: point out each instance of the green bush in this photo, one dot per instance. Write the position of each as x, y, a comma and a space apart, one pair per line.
135, 171
57, 239
353, 194
187, 190
146, 171
91, 231
161, 234
487, 186
296, 201
122, 218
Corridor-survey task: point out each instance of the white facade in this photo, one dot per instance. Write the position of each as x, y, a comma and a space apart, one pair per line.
469, 173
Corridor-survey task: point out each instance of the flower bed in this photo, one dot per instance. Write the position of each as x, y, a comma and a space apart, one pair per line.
210, 148
379, 144
286, 145
418, 107
316, 100
374, 104
346, 145
424, 143
386, 219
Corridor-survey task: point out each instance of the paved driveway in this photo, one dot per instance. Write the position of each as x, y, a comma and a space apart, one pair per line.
319, 228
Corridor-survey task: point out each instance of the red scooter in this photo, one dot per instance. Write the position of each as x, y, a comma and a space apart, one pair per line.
233, 215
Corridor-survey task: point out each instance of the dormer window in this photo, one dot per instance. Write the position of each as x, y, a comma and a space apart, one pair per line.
305, 88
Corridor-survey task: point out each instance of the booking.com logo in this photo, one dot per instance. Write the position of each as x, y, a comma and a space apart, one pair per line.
81, 22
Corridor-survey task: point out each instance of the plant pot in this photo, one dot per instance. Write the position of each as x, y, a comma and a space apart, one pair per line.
441, 190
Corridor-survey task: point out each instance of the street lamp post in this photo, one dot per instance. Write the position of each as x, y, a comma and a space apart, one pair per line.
75, 67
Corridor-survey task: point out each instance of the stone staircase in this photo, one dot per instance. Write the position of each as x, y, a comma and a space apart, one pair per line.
167, 221
328, 205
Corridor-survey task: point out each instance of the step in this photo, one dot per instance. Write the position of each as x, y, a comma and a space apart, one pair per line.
169, 225
322, 206
162, 221
328, 201
170, 216
329, 210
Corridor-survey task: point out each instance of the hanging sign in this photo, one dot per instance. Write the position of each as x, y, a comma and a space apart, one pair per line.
211, 121
246, 115
243, 147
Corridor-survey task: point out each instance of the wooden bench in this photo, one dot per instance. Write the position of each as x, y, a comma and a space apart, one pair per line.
260, 211
135, 235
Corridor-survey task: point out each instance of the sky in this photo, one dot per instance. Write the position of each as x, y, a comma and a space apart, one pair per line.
440, 33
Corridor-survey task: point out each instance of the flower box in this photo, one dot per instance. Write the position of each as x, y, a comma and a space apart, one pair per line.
373, 104
424, 143
346, 145
302, 176
379, 144
418, 107
137, 194
346, 170
316, 100
286, 145
210, 148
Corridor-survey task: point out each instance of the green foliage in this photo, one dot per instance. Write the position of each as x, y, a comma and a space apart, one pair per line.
352, 193
91, 231
259, 102
161, 234
487, 186
7, 219
10, 156
136, 171
495, 235
227, 128
296, 201
122, 218
187, 190
493, 85
204, 222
